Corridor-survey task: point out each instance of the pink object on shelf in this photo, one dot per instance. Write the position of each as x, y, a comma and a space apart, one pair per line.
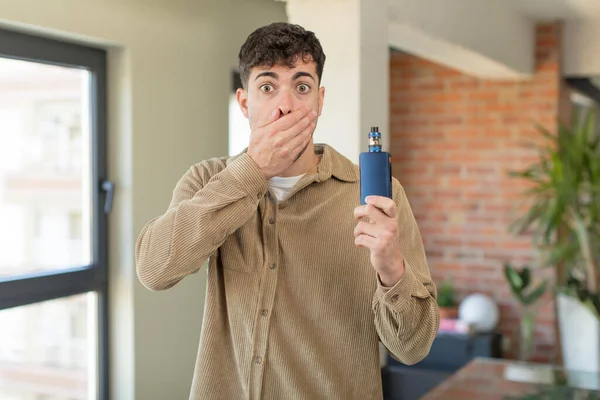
452, 325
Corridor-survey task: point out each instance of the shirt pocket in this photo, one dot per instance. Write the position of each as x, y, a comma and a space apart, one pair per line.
242, 251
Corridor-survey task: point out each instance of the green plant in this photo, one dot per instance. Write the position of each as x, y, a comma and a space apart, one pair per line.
564, 211
446, 295
520, 285
522, 288
577, 289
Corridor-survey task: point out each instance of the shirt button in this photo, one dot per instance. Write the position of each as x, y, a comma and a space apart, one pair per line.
264, 312
273, 266
395, 298
258, 360
271, 220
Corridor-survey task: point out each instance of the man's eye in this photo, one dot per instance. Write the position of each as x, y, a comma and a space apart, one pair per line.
303, 88
266, 88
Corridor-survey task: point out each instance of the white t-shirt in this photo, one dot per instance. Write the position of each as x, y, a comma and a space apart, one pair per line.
281, 186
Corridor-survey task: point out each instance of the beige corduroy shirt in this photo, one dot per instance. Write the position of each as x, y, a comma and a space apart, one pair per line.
293, 309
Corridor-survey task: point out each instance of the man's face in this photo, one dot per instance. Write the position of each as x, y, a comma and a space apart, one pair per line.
280, 87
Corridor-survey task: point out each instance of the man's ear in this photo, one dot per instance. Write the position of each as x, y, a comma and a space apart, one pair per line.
321, 99
242, 99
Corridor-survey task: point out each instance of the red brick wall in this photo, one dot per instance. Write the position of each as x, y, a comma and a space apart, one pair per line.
453, 138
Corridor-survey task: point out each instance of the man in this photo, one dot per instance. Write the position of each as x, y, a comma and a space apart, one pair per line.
302, 283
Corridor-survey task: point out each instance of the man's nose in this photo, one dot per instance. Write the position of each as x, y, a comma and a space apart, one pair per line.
286, 102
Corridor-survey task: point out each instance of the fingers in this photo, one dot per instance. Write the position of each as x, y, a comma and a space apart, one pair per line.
375, 237
365, 228
299, 142
371, 213
385, 204
274, 116
286, 128
286, 121
380, 227
299, 126
302, 117
366, 241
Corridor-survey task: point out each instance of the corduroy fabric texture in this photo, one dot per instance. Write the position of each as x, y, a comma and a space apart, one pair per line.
293, 309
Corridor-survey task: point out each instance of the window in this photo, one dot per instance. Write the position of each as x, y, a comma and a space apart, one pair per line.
585, 99
239, 127
53, 222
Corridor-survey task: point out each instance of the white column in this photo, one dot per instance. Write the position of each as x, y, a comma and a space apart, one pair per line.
354, 36
581, 45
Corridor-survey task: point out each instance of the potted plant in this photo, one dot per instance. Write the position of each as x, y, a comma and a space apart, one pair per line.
564, 218
520, 283
446, 300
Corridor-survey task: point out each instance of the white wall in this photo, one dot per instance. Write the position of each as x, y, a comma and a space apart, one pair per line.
581, 48
170, 63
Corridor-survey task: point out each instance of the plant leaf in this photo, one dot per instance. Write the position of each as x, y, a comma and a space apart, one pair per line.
535, 294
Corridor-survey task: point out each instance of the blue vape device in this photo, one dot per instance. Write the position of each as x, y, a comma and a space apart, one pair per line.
375, 169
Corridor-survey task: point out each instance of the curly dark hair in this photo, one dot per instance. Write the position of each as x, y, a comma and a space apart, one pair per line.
279, 43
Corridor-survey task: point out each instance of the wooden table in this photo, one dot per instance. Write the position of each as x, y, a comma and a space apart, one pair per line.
498, 379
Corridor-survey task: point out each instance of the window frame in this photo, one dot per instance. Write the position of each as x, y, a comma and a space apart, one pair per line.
586, 86
33, 288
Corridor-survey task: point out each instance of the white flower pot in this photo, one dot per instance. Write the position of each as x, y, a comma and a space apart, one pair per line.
580, 340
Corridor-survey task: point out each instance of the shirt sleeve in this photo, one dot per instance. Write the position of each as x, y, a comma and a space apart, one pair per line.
204, 210
407, 314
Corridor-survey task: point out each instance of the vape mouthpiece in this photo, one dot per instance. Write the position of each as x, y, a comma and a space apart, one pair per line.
374, 140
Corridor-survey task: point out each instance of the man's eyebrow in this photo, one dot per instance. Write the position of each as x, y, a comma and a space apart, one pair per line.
302, 73
267, 73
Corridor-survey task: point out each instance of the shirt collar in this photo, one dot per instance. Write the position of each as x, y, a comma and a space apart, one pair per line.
334, 164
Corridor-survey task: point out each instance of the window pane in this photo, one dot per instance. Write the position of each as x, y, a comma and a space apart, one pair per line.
48, 350
239, 128
45, 167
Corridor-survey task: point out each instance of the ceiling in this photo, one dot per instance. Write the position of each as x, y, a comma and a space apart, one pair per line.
560, 9
555, 9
